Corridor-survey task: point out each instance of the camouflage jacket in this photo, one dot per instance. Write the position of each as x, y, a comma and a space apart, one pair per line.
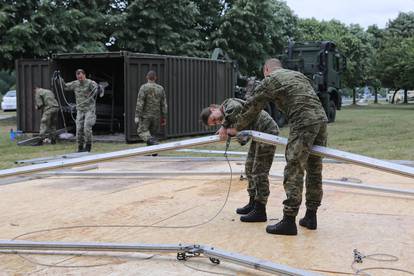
45, 99
151, 101
232, 109
293, 94
85, 93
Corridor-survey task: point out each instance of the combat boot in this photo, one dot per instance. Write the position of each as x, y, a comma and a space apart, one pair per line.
88, 147
247, 208
53, 140
152, 141
258, 214
309, 220
80, 148
287, 226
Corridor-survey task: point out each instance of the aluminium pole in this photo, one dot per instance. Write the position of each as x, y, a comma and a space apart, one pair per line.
110, 156
357, 159
185, 251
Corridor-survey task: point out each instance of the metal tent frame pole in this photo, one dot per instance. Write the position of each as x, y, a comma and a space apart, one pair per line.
343, 184
257, 136
110, 156
353, 158
184, 251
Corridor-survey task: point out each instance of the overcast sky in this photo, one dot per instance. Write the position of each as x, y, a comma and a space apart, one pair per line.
362, 12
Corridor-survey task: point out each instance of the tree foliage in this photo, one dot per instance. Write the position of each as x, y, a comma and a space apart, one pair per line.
251, 31
248, 30
395, 58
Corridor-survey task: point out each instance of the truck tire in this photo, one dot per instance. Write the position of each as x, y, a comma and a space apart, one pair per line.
332, 112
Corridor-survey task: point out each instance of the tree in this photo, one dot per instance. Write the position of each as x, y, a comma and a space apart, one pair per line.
39, 28
251, 31
396, 54
160, 27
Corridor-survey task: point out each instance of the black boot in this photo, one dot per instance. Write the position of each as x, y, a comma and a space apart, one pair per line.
287, 226
309, 220
80, 148
247, 208
53, 140
88, 147
152, 141
258, 214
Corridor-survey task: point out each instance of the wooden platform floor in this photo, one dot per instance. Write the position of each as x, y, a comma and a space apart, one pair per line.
348, 219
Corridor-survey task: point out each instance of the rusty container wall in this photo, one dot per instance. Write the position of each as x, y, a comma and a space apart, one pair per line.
28, 74
190, 85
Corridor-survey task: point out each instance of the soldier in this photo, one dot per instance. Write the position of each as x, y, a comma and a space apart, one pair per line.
46, 102
294, 95
151, 109
259, 159
85, 93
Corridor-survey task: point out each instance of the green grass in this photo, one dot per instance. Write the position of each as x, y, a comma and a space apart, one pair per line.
378, 130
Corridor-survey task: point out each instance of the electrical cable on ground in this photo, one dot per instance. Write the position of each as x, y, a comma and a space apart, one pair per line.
133, 225
379, 257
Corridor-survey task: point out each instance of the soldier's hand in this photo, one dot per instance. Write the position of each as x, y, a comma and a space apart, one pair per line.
163, 121
136, 120
222, 132
231, 132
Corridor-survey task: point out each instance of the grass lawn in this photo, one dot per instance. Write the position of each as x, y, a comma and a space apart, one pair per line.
378, 130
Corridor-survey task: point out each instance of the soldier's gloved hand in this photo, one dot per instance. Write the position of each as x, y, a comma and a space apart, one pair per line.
136, 120
163, 121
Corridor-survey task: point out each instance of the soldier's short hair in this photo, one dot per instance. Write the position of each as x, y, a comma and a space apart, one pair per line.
273, 63
80, 71
151, 75
206, 112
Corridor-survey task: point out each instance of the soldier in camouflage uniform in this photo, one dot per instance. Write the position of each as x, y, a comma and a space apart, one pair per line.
46, 102
294, 95
259, 158
151, 109
85, 93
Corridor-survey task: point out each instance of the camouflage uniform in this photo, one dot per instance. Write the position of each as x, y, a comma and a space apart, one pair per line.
260, 157
46, 102
151, 107
293, 94
85, 94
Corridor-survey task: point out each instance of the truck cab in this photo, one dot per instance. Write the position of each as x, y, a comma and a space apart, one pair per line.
323, 64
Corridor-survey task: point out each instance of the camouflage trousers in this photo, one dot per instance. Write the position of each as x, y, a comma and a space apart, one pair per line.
298, 160
48, 123
148, 127
85, 120
258, 164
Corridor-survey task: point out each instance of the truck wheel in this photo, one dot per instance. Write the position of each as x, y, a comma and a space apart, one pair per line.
332, 112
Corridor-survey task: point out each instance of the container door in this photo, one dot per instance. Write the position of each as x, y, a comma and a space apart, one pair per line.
28, 74
136, 69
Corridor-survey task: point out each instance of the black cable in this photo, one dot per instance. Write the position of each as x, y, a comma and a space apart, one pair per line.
139, 225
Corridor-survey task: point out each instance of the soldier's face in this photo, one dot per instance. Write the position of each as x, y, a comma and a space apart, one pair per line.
216, 117
80, 76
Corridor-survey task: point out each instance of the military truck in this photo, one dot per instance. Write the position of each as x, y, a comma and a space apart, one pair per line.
320, 61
